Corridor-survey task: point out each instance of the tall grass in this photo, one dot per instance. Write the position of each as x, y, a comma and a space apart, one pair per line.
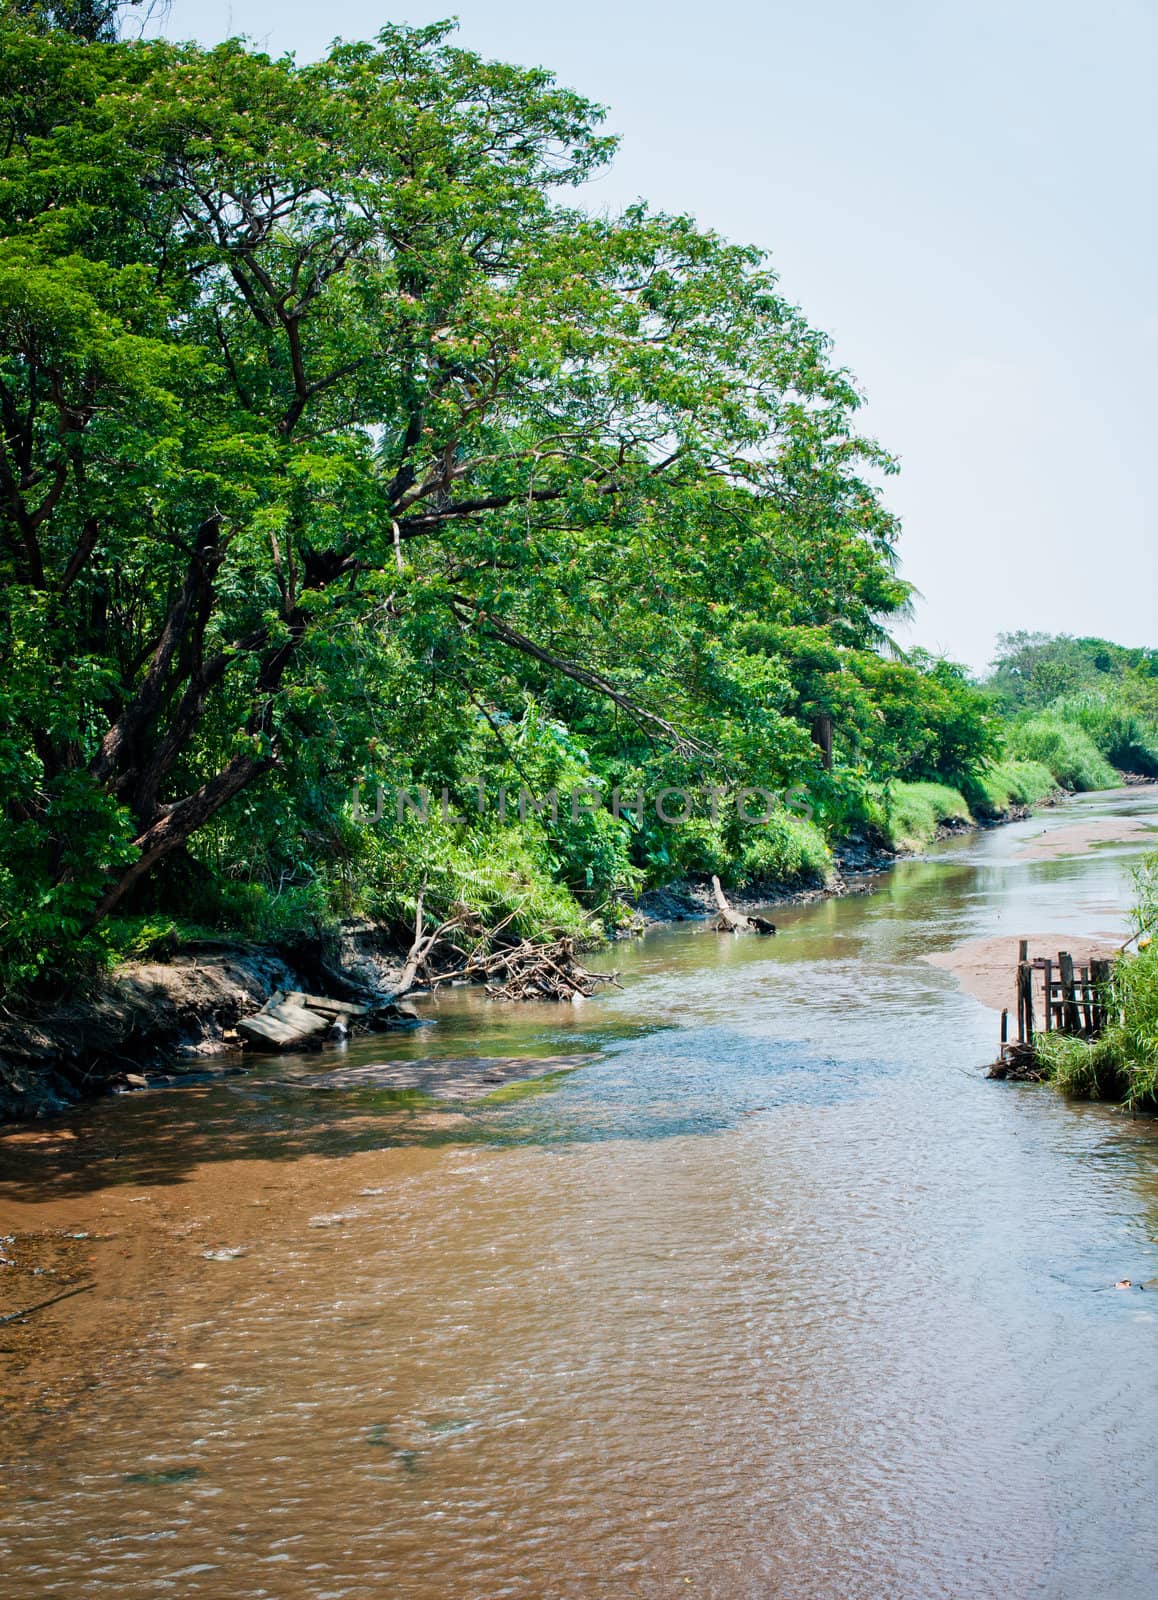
1123, 1063
1062, 746
1010, 783
1127, 740
914, 811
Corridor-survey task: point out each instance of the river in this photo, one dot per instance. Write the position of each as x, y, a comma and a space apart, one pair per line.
774, 1295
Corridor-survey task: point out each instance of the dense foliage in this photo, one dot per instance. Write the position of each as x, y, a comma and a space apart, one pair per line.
1034, 670
338, 447
1082, 706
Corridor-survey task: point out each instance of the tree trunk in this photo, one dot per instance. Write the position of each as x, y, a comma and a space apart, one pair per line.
180, 822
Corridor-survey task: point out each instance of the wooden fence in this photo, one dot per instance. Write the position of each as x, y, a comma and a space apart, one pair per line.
1073, 999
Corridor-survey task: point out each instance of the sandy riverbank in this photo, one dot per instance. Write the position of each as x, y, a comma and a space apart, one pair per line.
1079, 836
985, 968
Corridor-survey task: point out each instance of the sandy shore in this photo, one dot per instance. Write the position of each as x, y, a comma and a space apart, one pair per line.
1079, 836
985, 968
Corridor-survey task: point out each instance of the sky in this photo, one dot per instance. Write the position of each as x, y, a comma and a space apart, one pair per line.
961, 195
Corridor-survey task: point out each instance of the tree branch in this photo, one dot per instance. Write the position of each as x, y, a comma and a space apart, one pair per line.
122, 737
648, 720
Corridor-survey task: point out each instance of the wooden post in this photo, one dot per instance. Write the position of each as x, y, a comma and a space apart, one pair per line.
1087, 998
1070, 1013
1028, 971
1100, 972
1020, 1008
1048, 968
1096, 997
1005, 1026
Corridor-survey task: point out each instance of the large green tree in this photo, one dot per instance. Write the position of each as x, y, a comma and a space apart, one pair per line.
303, 363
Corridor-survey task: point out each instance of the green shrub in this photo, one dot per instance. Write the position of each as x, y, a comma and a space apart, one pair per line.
498, 871
787, 849
695, 846
915, 810
1065, 748
151, 938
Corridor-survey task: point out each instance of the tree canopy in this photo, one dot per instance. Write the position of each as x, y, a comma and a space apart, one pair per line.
336, 437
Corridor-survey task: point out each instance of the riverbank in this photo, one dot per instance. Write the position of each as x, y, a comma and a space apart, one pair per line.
156, 1023
856, 862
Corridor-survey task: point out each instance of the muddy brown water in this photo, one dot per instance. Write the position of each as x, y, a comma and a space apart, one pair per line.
773, 1295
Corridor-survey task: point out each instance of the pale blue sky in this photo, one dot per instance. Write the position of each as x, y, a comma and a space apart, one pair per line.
962, 195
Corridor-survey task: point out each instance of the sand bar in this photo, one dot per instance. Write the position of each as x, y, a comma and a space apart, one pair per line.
985, 968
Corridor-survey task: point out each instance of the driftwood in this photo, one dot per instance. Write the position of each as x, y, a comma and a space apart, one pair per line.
288, 1021
730, 921
525, 971
419, 966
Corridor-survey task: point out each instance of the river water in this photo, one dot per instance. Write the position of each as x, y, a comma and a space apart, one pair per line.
775, 1295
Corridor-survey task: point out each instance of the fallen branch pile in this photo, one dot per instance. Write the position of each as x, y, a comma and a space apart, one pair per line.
511, 969
1018, 1062
529, 971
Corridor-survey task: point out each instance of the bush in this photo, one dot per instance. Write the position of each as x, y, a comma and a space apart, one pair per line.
498, 871
915, 810
1065, 748
787, 849
695, 846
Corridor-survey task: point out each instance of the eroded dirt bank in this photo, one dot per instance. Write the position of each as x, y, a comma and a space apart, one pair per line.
173, 1016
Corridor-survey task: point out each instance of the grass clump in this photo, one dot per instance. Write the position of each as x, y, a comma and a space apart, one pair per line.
786, 849
1065, 748
1123, 1063
916, 810
992, 792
